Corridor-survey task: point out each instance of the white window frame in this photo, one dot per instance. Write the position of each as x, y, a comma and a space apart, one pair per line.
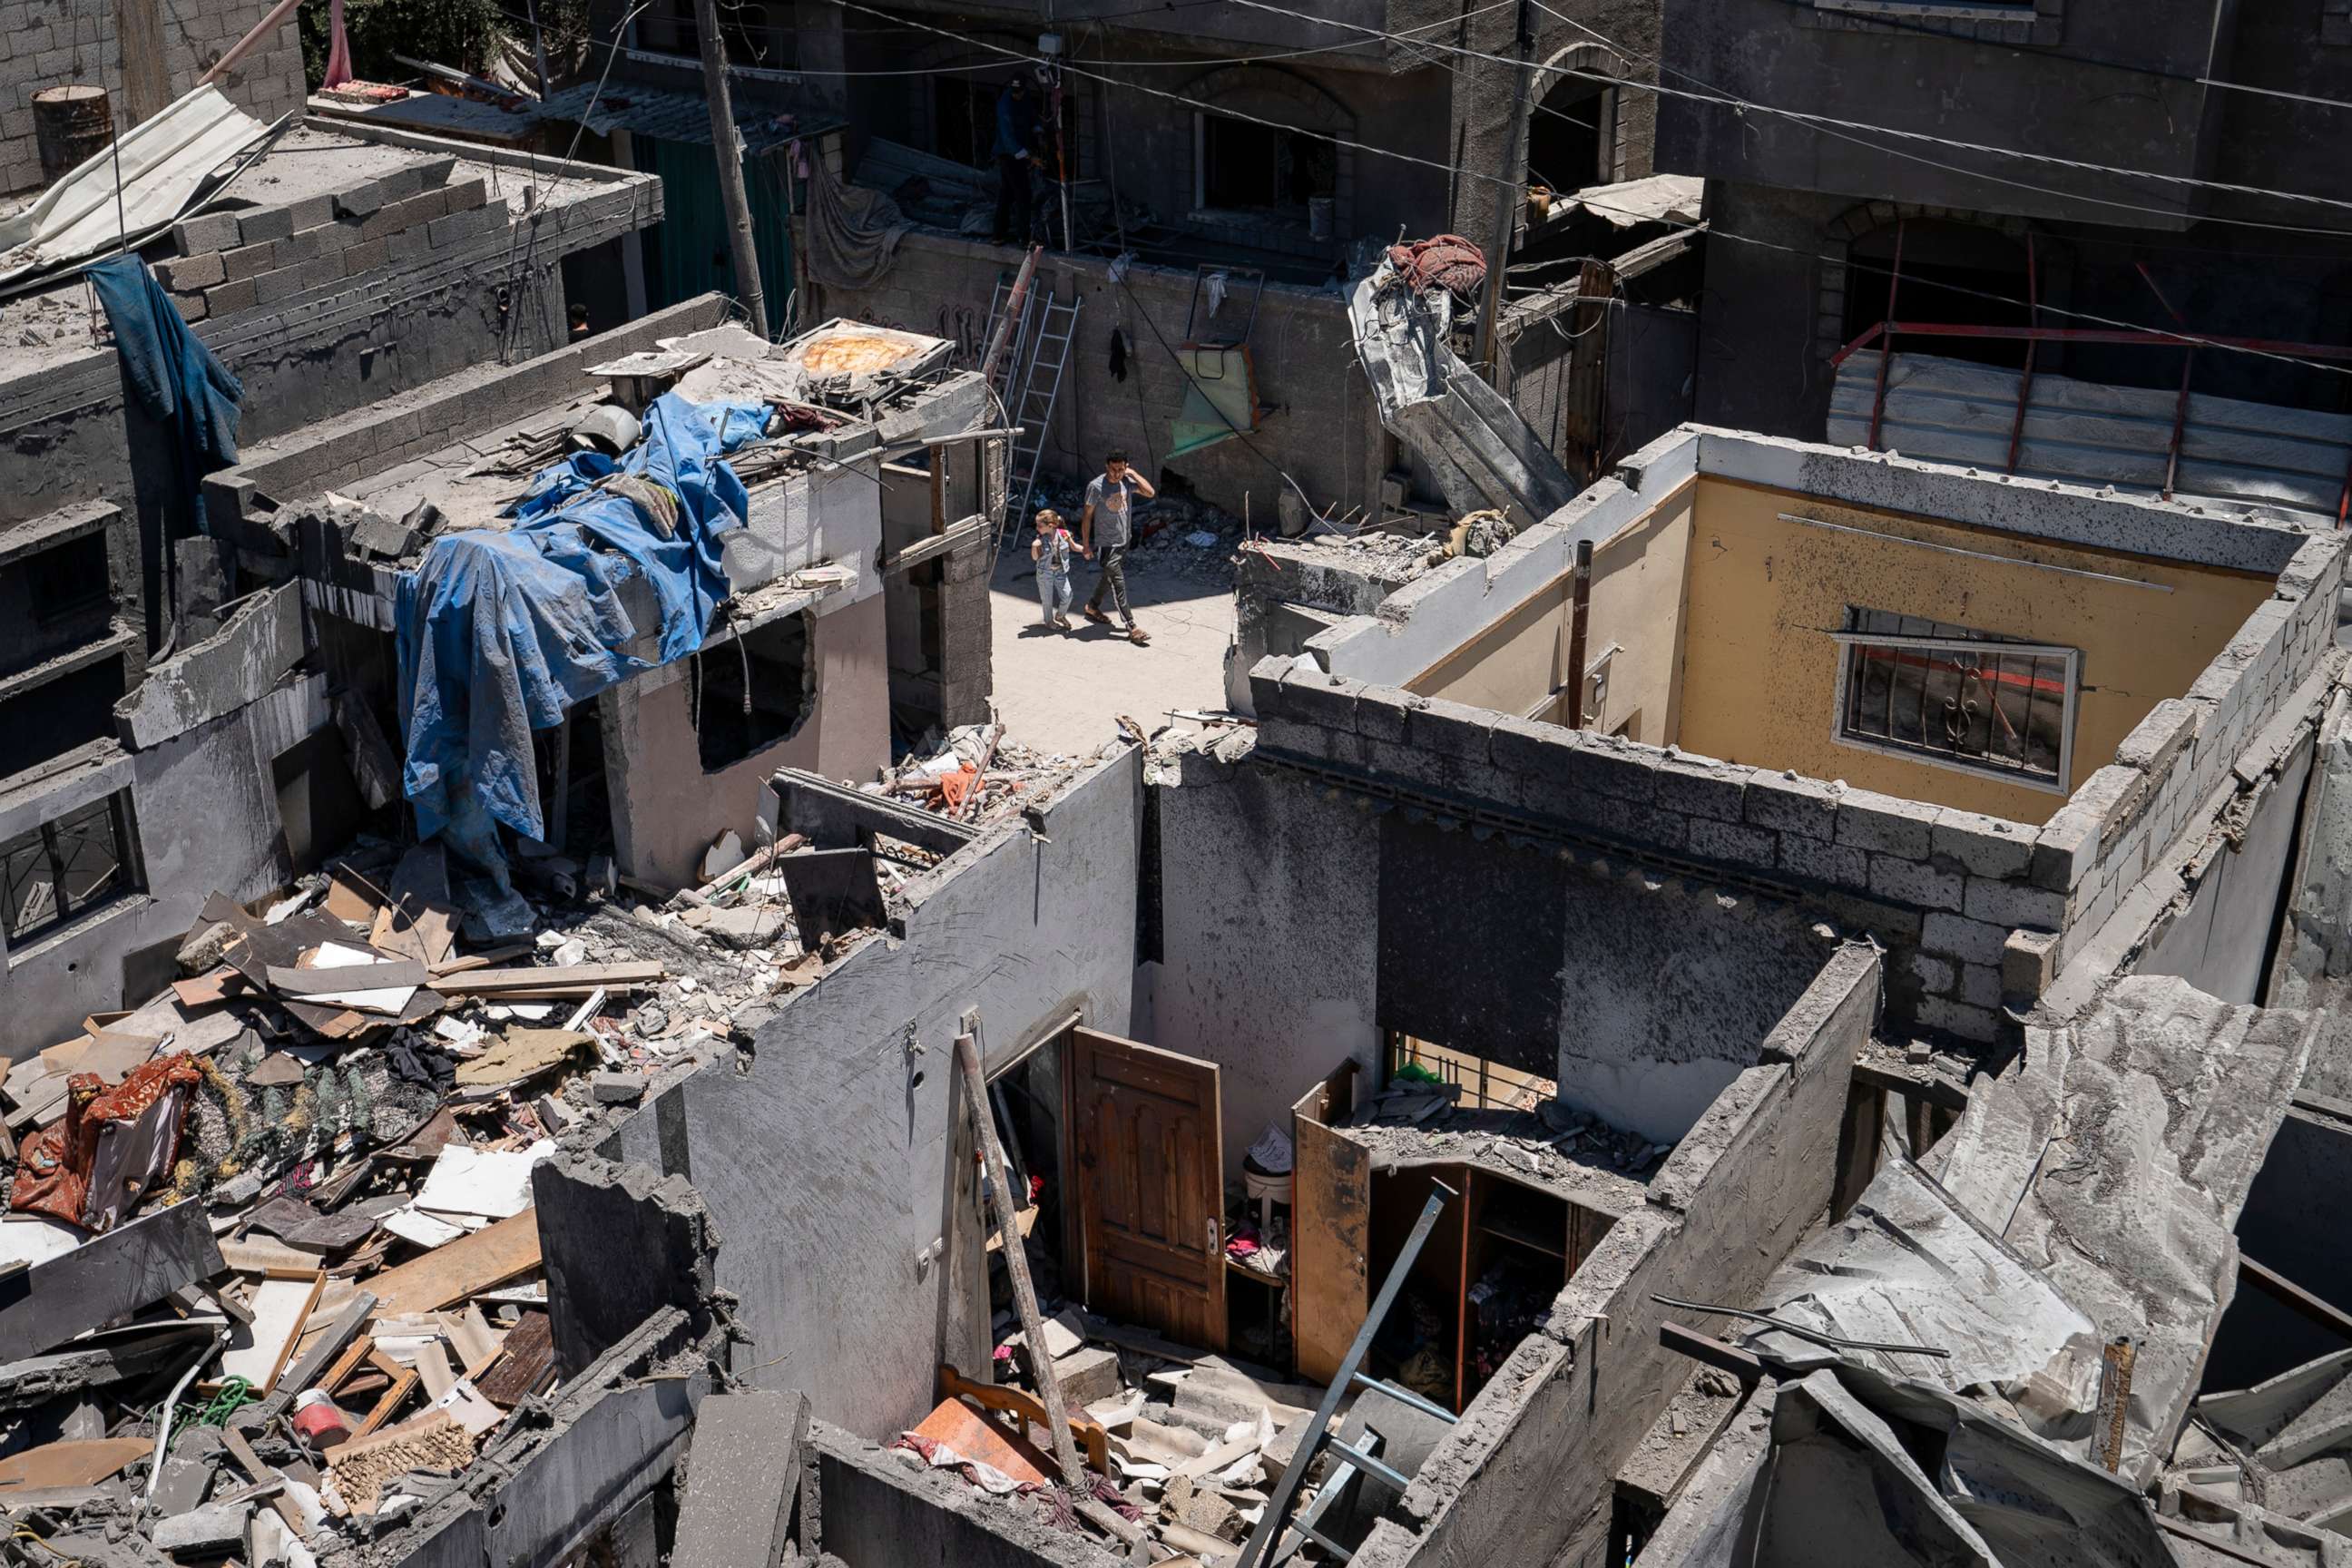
2063, 785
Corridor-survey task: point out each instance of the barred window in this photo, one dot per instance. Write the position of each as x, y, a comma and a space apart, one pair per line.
64, 870
1958, 697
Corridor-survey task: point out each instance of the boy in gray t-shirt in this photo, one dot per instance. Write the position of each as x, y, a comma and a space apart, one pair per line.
1109, 526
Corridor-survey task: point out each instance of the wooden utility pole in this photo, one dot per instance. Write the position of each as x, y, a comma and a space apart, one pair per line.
727, 144
1509, 193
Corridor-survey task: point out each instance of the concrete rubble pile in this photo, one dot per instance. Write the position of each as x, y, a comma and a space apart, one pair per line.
271, 1268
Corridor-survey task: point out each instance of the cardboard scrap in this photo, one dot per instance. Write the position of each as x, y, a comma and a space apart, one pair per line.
72, 1463
520, 1055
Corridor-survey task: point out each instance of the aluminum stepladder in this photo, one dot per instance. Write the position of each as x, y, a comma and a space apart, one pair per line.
1275, 1522
1041, 389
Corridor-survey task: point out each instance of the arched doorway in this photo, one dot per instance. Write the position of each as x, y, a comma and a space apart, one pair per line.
1572, 135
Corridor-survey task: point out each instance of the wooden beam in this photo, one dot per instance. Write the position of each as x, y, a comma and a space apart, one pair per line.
2287, 1293
1715, 1352
1935, 1090
583, 977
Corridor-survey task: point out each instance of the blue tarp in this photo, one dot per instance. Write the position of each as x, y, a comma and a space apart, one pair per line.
171, 373
499, 632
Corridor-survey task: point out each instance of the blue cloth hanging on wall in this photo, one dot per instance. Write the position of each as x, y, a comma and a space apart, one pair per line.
170, 372
501, 631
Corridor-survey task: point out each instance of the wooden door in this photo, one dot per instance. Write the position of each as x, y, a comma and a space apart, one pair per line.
1330, 1225
1151, 1186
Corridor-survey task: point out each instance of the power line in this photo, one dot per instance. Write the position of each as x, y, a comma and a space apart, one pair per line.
2186, 339
1831, 124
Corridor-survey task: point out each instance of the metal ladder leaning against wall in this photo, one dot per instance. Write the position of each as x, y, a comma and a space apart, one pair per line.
1029, 385
1274, 1524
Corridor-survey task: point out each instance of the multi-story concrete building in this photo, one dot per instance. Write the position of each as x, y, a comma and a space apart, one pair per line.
2064, 164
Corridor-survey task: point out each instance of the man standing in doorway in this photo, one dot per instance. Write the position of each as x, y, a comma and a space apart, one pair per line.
1108, 528
1017, 153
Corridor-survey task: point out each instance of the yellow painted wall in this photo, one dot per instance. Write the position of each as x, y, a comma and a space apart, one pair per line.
1636, 603
1759, 669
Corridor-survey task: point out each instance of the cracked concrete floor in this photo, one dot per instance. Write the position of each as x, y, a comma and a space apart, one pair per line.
1064, 692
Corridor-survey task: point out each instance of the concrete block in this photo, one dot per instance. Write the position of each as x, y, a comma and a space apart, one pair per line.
1981, 986
426, 174
265, 227
228, 299
1087, 1375
617, 1088
1822, 861
1700, 787
368, 256
192, 306
1937, 976
1603, 764
204, 1531
250, 260
359, 200
188, 272
742, 1473
1381, 711
1982, 845
1664, 831
302, 245
1733, 843
2014, 904
312, 212
461, 196
414, 211
1886, 824
2028, 964
1449, 729
1971, 940
205, 232
1915, 882
1958, 1019
283, 284
1801, 806
1317, 697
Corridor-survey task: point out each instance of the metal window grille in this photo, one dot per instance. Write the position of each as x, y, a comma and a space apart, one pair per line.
1958, 697
1485, 1085
64, 870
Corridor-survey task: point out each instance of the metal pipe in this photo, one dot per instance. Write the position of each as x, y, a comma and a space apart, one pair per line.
1580, 605
245, 45
1886, 354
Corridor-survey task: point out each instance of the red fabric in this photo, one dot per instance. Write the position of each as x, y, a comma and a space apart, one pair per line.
1446, 260
54, 1165
339, 48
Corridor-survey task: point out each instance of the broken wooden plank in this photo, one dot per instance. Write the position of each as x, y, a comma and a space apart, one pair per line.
522, 1363
583, 977
70, 1464
260, 1474
491, 1256
398, 975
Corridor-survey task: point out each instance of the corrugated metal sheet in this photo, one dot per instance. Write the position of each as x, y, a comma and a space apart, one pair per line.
162, 163
2231, 452
674, 116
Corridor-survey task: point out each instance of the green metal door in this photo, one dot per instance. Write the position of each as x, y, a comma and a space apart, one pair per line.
690, 242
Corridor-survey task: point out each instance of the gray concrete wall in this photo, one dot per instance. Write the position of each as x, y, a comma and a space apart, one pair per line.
1327, 436
1279, 900
328, 343
826, 1152
205, 818
54, 43
1528, 1474
881, 1513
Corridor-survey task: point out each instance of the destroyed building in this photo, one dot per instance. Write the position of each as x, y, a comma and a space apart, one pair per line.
1712, 997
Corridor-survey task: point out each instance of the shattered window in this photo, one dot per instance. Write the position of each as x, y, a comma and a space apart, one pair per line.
751, 693
64, 870
1957, 696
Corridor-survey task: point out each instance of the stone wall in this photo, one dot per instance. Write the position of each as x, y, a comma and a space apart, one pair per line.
1324, 431
56, 43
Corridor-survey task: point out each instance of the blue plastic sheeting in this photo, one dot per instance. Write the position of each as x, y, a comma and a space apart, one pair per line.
171, 373
499, 632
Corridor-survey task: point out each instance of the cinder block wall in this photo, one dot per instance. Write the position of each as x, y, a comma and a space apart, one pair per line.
1942, 890
58, 43
1526, 1477
1326, 434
